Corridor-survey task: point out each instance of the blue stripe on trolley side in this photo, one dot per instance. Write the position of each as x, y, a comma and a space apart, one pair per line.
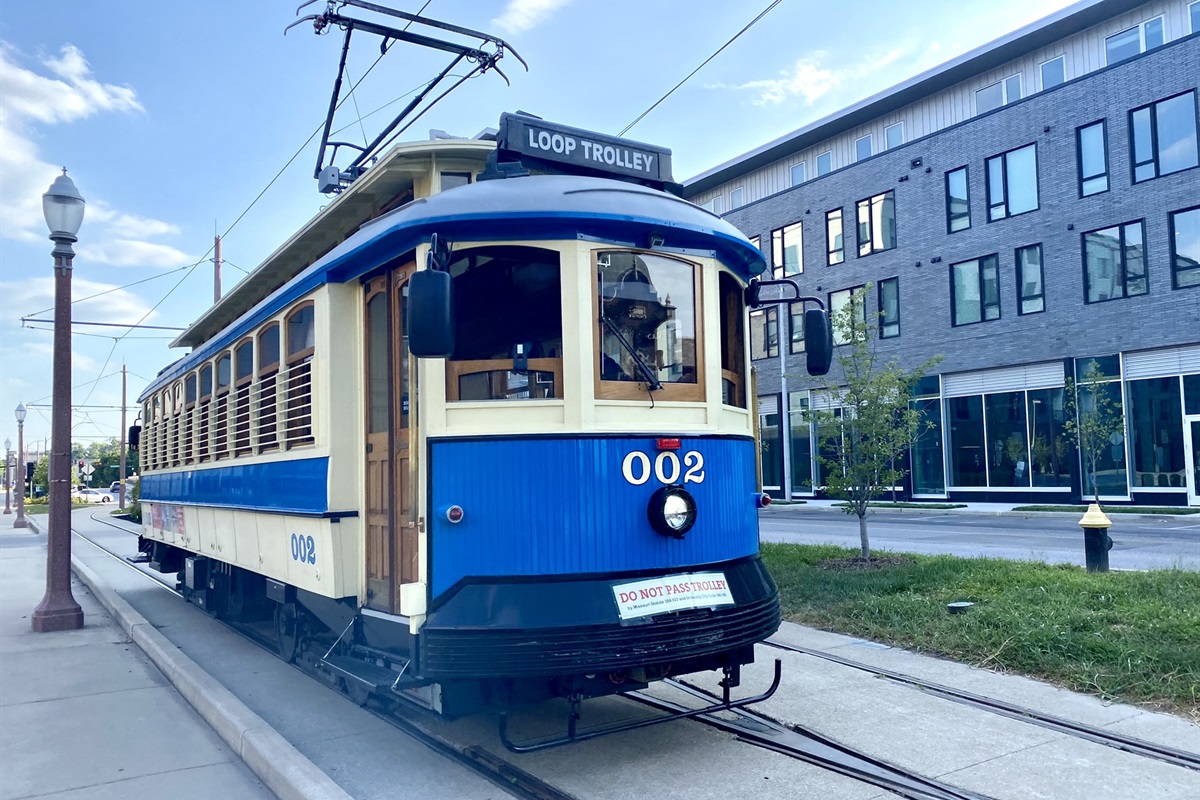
295, 485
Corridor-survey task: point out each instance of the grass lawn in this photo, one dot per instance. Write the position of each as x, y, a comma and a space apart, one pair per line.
1127, 636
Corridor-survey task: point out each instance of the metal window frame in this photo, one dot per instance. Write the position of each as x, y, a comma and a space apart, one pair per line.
804, 171
767, 313
817, 163
1124, 265
1042, 75
1080, 177
1152, 109
870, 225
982, 301
1175, 271
871, 143
830, 250
987, 177
965, 169
1020, 273
779, 244
899, 125
884, 322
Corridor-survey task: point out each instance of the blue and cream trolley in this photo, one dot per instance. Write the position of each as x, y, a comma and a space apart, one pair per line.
478, 434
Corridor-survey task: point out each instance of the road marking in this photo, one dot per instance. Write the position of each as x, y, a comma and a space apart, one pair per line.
1184, 528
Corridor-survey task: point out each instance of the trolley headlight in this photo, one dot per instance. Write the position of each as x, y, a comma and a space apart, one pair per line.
672, 511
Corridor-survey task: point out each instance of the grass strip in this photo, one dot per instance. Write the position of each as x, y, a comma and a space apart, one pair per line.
907, 505
1127, 636
1116, 509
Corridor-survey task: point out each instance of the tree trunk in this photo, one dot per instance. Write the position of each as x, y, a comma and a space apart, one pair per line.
862, 537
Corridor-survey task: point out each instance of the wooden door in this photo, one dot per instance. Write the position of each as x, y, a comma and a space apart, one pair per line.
403, 410
391, 533
378, 501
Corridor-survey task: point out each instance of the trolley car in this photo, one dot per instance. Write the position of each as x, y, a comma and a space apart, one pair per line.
481, 433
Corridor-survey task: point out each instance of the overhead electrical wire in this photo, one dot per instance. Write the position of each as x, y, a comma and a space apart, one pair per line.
749, 25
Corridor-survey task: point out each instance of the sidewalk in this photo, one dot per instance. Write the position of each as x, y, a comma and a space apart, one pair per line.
992, 509
85, 713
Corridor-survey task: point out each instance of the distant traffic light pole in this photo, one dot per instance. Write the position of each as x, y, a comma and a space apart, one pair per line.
62, 206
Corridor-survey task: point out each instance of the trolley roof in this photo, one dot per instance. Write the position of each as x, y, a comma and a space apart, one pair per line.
537, 207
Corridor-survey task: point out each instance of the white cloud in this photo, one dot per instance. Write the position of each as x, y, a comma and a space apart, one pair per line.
811, 79
521, 15
115, 305
132, 253
66, 92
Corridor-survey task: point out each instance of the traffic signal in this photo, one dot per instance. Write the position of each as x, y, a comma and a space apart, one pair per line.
81, 464
29, 467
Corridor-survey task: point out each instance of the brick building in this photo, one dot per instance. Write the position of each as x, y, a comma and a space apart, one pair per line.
1024, 210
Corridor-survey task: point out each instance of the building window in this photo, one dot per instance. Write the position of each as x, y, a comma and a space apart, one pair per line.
764, 334
889, 308
1000, 93
718, 204
975, 290
839, 300
796, 321
1092, 145
835, 246
1156, 434
893, 135
802, 460
787, 250
798, 174
1053, 72
877, 223
1012, 183
735, 198
958, 200
1194, 13
1185, 248
1131, 41
1030, 292
1114, 262
1164, 137
824, 163
862, 148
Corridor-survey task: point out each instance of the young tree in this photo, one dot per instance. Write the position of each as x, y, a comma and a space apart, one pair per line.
1095, 420
861, 450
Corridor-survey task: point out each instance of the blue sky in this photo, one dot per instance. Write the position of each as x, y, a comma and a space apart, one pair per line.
173, 117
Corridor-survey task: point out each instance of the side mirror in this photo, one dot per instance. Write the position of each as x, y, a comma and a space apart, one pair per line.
430, 314
818, 341
135, 437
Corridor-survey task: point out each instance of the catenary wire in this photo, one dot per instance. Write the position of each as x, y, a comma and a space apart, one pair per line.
749, 25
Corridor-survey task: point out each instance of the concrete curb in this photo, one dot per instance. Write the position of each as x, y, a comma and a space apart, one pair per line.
280, 766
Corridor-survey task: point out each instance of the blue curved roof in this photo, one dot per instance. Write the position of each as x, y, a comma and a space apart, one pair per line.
539, 207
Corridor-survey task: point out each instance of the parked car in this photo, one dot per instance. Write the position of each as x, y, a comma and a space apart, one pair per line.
93, 496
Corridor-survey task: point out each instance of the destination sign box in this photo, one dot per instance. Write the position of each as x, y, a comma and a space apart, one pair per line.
530, 137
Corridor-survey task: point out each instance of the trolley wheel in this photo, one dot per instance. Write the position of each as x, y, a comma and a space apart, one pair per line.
287, 630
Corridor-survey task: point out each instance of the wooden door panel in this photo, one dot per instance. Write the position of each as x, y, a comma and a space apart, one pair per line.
378, 490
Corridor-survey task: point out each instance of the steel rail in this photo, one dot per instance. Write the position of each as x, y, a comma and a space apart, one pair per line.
1130, 744
813, 748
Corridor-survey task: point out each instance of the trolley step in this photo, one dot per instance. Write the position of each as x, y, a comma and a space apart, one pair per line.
373, 676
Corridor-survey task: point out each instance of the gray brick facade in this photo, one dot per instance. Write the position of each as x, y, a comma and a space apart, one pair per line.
1069, 327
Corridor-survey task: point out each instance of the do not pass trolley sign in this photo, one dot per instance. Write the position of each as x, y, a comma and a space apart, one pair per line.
671, 593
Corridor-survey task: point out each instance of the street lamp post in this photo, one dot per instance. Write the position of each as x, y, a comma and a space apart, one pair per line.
7, 474
20, 522
62, 206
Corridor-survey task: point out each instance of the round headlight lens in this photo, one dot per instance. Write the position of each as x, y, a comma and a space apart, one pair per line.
675, 511
672, 511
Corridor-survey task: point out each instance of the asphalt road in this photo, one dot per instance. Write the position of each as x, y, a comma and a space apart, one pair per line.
1139, 542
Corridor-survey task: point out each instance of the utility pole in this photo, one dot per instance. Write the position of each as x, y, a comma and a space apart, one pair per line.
217, 270
124, 432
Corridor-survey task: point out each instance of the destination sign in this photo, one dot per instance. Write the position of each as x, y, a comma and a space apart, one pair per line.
548, 141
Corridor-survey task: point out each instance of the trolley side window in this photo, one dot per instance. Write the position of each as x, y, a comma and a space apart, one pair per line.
206, 387
268, 371
301, 345
189, 420
733, 338
221, 406
243, 376
648, 326
507, 325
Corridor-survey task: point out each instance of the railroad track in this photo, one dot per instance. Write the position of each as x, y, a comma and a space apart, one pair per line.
504, 774
1130, 744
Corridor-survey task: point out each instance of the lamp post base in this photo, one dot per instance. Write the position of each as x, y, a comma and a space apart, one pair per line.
20, 522
48, 619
